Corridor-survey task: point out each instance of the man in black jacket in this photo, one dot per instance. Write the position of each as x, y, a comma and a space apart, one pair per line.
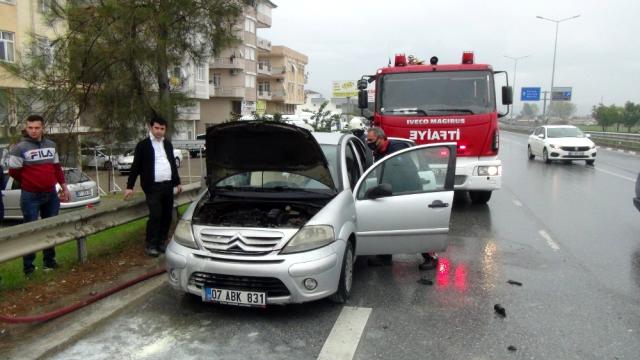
381, 146
153, 160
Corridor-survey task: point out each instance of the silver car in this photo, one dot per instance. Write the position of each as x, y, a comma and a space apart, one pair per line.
82, 189
286, 211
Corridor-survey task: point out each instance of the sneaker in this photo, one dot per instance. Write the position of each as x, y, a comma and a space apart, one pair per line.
28, 272
152, 252
50, 267
379, 260
162, 248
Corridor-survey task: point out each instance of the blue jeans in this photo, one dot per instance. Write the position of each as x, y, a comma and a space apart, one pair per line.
43, 205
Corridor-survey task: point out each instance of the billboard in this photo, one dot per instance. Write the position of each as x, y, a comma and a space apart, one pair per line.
344, 89
561, 93
530, 94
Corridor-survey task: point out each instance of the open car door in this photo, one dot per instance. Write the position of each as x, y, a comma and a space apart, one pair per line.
403, 202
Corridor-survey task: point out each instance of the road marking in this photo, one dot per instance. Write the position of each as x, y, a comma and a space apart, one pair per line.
345, 335
617, 175
518, 203
549, 240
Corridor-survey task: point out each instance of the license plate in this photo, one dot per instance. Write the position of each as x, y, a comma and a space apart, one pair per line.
576, 153
235, 297
125, 167
82, 193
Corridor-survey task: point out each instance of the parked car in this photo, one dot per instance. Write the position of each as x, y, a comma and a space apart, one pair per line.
92, 157
126, 159
636, 200
82, 189
286, 211
561, 142
197, 151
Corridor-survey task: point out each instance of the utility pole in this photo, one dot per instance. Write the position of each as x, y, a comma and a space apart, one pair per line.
544, 104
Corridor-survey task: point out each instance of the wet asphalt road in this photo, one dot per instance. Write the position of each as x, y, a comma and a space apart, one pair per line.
568, 233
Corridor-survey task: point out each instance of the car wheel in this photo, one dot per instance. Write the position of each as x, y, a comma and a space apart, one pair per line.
590, 162
346, 276
177, 162
568, 162
480, 197
531, 156
545, 156
108, 165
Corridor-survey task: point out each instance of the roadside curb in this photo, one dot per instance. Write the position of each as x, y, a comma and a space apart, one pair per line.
55, 335
630, 152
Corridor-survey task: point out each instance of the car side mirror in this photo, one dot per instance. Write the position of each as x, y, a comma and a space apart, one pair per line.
541, 136
379, 191
507, 95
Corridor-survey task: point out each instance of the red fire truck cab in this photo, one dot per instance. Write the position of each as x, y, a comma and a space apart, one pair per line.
431, 103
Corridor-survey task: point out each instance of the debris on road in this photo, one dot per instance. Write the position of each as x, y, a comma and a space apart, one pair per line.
500, 310
425, 281
512, 348
513, 282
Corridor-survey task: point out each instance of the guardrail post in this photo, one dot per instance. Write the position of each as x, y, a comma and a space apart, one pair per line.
82, 249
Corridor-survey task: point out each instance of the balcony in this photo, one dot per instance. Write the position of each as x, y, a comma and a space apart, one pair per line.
278, 95
264, 44
278, 72
264, 69
226, 91
264, 95
264, 20
226, 63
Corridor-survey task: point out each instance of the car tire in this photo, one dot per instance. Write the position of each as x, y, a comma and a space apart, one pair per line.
545, 156
529, 153
346, 276
590, 162
177, 162
480, 197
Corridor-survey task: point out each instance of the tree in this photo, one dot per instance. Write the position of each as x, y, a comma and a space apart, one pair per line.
630, 115
562, 109
323, 120
529, 110
606, 115
119, 61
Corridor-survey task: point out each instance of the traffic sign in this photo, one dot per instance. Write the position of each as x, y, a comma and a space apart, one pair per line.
561, 94
530, 94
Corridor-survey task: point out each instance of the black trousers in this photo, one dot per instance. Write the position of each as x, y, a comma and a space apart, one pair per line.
160, 203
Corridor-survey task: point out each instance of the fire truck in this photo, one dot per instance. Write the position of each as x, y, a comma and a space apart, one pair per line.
431, 103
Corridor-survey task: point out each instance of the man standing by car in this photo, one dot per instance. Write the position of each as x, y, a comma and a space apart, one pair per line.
34, 163
381, 146
153, 160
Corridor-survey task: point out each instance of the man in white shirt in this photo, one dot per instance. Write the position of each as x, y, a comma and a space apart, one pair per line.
153, 160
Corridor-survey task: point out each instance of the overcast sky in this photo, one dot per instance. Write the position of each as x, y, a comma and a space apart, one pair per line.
598, 53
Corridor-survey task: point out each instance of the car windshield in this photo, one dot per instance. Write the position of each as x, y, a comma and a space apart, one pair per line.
437, 93
331, 154
564, 132
75, 176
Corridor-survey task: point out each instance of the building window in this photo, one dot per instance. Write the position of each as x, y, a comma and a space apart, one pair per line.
200, 72
6, 46
43, 6
12, 2
216, 80
44, 49
264, 87
249, 26
250, 54
250, 81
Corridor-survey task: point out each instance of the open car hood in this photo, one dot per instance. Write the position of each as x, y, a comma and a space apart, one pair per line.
244, 146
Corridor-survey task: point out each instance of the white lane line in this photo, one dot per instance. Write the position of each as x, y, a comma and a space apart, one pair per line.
549, 240
617, 175
518, 203
345, 335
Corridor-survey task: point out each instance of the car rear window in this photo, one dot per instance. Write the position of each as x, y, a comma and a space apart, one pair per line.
75, 176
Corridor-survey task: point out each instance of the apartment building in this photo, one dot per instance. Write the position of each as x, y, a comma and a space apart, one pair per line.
281, 79
18, 20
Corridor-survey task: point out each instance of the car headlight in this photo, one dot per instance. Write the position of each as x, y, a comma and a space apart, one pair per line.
184, 235
309, 238
593, 146
489, 170
553, 146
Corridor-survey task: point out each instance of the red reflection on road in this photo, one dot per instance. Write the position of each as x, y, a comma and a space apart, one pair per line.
445, 270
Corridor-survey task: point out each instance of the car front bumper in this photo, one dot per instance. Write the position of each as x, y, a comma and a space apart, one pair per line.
467, 177
559, 154
187, 267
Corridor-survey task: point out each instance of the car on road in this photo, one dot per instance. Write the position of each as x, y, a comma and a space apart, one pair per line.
93, 157
286, 211
561, 142
636, 200
126, 159
82, 188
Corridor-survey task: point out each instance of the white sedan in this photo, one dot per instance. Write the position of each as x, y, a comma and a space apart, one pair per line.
561, 142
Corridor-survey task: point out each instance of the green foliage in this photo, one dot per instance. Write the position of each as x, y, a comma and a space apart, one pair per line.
323, 120
562, 109
118, 61
630, 115
606, 115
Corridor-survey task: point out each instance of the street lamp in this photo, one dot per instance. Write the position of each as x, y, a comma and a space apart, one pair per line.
555, 47
515, 89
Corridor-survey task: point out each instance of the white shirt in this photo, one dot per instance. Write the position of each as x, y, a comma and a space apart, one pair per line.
162, 168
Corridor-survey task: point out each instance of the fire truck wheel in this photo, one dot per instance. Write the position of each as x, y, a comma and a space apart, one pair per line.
480, 197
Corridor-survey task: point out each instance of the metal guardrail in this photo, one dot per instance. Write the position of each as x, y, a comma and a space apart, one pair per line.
27, 238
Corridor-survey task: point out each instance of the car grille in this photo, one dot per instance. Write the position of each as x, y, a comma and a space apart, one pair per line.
254, 242
575, 148
272, 286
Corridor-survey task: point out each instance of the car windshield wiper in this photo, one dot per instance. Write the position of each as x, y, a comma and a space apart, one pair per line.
406, 110
466, 111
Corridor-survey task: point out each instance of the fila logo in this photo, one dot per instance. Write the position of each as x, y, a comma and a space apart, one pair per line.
40, 154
